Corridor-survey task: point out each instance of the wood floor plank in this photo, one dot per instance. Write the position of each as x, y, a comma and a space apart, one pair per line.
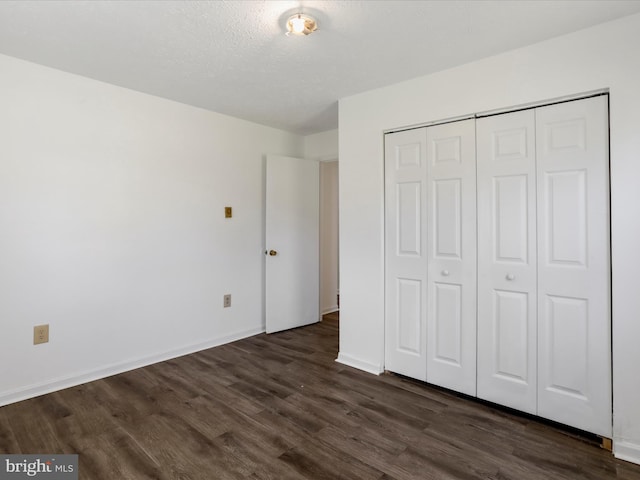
327, 463
34, 429
377, 450
8, 441
278, 407
115, 455
253, 453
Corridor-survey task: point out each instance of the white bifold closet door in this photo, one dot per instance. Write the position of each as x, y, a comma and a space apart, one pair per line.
544, 341
507, 264
574, 333
517, 313
451, 256
406, 253
430, 261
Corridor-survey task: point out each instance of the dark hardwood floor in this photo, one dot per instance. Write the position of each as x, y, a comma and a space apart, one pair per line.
279, 407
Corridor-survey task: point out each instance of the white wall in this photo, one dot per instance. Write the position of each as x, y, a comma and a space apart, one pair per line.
112, 227
601, 57
321, 146
329, 252
324, 147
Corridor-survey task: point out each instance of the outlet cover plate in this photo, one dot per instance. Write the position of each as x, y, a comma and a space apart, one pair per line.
40, 334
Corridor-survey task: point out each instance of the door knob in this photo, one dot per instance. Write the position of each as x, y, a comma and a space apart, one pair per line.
272, 253
510, 276
445, 273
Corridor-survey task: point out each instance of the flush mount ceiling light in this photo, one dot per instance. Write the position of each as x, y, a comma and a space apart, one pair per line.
301, 24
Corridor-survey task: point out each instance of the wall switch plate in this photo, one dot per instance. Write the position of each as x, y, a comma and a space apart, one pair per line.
227, 300
228, 212
40, 334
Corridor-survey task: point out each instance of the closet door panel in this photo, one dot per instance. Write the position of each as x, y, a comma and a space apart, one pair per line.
446, 210
451, 248
405, 255
507, 260
566, 222
510, 213
447, 300
511, 336
567, 345
574, 351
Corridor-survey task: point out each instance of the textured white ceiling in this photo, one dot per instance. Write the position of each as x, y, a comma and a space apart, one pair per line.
232, 56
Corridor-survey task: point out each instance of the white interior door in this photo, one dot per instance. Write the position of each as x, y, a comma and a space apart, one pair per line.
451, 256
406, 253
574, 334
292, 243
507, 269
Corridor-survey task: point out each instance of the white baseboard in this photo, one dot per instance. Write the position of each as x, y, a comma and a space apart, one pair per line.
359, 364
331, 309
627, 451
53, 385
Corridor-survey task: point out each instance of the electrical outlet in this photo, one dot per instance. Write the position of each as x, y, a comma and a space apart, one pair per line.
40, 334
227, 300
